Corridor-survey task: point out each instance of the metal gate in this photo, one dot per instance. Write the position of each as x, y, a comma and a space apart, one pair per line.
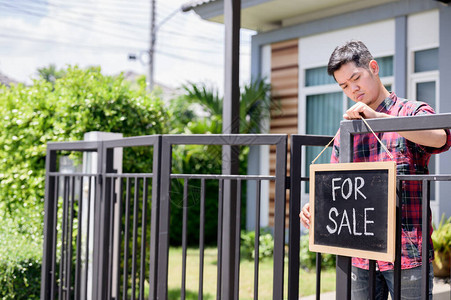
109, 256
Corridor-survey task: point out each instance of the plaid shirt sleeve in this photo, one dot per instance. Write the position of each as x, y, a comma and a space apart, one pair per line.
425, 109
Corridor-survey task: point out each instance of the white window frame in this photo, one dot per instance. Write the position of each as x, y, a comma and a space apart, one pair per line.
427, 76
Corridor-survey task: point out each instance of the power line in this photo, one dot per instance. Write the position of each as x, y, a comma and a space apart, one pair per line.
103, 12
65, 43
119, 23
100, 13
134, 26
108, 48
87, 5
183, 58
80, 14
69, 22
20, 36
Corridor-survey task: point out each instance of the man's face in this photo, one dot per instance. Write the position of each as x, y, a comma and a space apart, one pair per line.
359, 84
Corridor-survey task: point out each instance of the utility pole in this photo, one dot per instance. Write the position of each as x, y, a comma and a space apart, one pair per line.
150, 83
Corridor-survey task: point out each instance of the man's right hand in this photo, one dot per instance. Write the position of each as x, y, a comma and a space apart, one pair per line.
305, 216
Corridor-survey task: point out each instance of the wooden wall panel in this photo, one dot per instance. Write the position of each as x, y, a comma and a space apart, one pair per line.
285, 91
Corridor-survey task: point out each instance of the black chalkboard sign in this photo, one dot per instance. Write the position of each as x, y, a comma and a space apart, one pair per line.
352, 207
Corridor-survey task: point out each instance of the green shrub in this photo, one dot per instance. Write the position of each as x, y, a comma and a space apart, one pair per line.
78, 101
308, 258
82, 100
255, 105
20, 261
266, 244
441, 236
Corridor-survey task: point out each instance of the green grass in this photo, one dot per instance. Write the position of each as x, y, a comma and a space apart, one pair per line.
306, 287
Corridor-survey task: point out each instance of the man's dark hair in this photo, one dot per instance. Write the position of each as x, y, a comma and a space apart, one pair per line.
352, 51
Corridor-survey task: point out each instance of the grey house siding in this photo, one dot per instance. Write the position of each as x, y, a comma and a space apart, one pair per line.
400, 59
444, 56
374, 14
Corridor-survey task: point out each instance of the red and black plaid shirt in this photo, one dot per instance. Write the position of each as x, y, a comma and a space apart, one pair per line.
411, 158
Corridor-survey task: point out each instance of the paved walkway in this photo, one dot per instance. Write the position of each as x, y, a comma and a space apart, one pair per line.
441, 291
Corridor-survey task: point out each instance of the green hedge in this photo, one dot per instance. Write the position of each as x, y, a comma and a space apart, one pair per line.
20, 261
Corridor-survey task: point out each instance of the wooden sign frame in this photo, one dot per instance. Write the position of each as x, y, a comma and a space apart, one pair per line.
389, 254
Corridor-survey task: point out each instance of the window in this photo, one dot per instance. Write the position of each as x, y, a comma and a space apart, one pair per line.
426, 60
423, 87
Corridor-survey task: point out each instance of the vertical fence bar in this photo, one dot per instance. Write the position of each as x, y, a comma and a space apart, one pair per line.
47, 283
397, 264
63, 259
79, 233
119, 247
164, 219
142, 272
220, 203
257, 238
70, 236
155, 218
201, 239
294, 227
238, 240
91, 182
184, 236
318, 275
425, 240
372, 279
343, 284
126, 240
135, 235
279, 218
343, 274
55, 236
110, 203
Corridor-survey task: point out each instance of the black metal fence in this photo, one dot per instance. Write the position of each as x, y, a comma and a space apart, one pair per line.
97, 224
343, 269
107, 233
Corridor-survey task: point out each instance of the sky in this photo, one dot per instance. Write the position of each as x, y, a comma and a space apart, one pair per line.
37, 33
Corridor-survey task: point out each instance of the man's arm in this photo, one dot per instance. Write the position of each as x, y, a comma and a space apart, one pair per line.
431, 138
304, 215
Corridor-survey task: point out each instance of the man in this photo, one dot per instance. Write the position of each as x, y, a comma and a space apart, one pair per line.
357, 73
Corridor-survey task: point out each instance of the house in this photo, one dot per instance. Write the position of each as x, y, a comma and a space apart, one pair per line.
409, 38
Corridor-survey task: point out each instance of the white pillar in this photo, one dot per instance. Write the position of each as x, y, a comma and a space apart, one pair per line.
90, 167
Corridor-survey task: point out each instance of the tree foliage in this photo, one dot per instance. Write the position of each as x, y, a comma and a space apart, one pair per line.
82, 100
199, 111
50, 73
255, 104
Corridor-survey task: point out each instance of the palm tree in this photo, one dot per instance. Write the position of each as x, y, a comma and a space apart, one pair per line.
255, 103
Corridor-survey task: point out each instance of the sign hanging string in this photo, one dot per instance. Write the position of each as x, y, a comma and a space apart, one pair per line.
366, 123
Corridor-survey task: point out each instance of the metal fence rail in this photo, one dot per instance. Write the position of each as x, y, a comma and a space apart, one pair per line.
126, 243
112, 256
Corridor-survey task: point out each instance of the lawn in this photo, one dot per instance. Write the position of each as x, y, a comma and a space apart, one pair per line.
307, 279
